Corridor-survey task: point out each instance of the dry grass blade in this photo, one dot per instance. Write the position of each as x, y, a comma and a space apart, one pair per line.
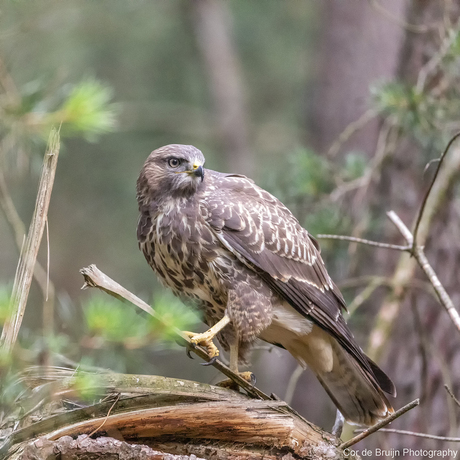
29, 251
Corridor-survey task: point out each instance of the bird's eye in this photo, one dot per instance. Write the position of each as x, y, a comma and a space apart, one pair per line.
174, 162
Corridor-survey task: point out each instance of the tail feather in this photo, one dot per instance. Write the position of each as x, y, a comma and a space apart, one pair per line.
357, 392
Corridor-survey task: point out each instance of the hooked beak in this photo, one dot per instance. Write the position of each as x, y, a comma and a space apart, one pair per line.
198, 171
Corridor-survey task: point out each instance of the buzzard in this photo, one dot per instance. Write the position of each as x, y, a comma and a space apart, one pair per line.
240, 256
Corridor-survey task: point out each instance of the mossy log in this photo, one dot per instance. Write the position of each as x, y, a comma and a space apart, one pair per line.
153, 417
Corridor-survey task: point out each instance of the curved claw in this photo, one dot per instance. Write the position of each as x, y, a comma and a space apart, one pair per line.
187, 352
210, 362
253, 380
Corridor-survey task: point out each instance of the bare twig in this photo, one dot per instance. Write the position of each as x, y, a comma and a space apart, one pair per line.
452, 395
425, 199
417, 435
414, 28
41, 275
350, 129
11, 214
405, 270
96, 278
419, 255
295, 376
28, 256
431, 66
380, 425
363, 295
363, 241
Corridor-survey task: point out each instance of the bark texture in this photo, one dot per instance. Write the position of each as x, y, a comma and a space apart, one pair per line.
156, 417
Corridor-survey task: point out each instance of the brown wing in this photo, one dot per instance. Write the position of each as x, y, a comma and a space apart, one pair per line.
265, 235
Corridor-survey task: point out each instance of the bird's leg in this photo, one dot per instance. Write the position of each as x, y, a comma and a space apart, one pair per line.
205, 339
234, 357
248, 376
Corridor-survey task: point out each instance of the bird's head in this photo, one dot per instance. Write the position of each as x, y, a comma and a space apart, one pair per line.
173, 170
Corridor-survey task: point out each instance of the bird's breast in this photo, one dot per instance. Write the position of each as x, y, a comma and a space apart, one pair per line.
181, 248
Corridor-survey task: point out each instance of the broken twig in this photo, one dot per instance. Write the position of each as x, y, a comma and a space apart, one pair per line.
96, 278
381, 424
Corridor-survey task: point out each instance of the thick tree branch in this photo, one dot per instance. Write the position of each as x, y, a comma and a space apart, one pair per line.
174, 416
84, 447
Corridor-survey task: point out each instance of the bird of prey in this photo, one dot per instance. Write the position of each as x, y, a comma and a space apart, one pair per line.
239, 255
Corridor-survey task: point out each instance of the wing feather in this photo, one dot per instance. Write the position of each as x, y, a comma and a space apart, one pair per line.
266, 236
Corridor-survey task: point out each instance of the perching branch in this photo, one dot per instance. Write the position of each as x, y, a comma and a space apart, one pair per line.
95, 278
29, 251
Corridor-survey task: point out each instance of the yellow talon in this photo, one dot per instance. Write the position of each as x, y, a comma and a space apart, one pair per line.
248, 376
203, 340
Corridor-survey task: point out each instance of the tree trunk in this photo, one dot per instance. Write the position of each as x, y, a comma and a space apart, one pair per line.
358, 47
213, 29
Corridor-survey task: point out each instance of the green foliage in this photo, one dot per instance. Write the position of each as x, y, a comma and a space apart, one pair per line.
354, 167
327, 219
111, 320
400, 101
5, 293
429, 111
306, 175
80, 110
86, 384
87, 111
311, 173
174, 315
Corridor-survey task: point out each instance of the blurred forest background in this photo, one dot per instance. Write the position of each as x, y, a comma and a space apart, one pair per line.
336, 107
